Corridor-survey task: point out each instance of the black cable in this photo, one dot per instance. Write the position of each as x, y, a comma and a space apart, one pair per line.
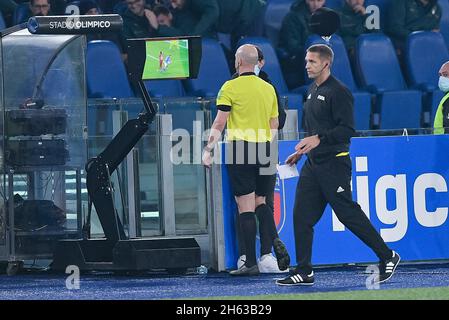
38, 88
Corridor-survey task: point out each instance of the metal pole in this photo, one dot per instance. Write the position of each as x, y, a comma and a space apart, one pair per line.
79, 210
134, 212
166, 174
12, 242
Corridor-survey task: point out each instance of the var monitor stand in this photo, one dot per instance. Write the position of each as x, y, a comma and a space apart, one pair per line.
116, 252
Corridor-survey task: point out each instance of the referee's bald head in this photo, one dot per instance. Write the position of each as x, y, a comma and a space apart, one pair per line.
444, 68
247, 55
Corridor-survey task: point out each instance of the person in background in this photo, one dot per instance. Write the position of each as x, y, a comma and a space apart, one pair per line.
241, 18
138, 22
441, 123
90, 7
407, 16
7, 8
163, 15
58, 7
292, 38
187, 18
37, 8
352, 24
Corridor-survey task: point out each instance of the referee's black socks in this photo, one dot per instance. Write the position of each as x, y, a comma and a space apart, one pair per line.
267, 228
249, 229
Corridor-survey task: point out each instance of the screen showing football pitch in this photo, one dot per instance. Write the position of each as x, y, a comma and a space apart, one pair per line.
166, 59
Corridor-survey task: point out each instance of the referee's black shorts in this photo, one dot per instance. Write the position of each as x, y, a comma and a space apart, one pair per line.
249, 172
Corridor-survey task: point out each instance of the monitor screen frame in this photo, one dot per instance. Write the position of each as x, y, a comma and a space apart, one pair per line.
137, 57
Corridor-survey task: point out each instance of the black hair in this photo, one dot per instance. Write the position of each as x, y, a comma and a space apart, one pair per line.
32, 2
260, 56
160, 9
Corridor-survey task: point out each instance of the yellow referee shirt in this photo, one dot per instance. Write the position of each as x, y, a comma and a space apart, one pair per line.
252, 103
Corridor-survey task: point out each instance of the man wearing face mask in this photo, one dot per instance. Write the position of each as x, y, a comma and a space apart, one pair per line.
326, 175
247, 106
441, 123
267, 229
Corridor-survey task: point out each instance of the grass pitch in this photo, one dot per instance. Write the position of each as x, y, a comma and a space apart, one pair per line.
437, 293
178, 66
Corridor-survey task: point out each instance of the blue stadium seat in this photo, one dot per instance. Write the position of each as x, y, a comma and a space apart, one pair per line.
106, 78
425, 53
341, 69
275, 13
165, 88
381, 74
273, 69
22, 13
106, 74
214, 71
272, 66
444, 23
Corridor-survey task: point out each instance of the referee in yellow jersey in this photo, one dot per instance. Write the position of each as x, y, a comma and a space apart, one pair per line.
248, 106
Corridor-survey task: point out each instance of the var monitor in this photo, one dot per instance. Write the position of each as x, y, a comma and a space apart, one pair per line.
164, 58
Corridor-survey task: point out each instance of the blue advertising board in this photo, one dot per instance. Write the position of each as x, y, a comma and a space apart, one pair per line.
400, 183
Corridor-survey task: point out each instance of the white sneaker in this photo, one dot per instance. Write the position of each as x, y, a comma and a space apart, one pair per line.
268, 264
241, 261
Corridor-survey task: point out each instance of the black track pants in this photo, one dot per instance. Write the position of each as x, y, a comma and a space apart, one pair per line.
324, 183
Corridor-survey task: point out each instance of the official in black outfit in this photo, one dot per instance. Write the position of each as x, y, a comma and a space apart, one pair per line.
326, 175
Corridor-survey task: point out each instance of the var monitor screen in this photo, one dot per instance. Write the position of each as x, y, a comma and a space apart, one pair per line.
164, 58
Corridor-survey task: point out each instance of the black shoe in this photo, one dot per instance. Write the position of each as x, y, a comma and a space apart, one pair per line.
246, 271
281, 254
297, 280
387, 268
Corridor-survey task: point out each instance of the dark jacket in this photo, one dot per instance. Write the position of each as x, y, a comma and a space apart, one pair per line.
406, 16
238, 14
329, 113
135, 27
446, 116
352, 25
58, 6
198, 17
295, 28
282, 114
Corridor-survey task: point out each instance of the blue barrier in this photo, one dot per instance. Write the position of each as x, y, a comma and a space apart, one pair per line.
400, 183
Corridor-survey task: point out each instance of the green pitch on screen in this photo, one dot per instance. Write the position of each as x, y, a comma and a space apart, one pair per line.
166, 59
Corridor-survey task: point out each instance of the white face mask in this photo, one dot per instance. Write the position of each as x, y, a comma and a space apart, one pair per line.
256, 69
443, 84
